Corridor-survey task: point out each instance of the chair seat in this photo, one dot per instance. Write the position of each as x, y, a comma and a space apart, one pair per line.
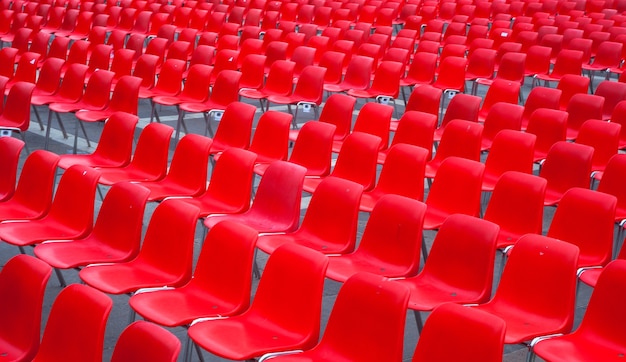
269, 243
14, 211
310, 184
243, 338
281, 99
434, 218
32, 232
427, 294
209, 206
506, 238
342, 267
552, 197
590, 276
198, 107
261, 223
570, 348
127, 277
72, 254
191, 303
94, 116
174, 100
161, 189
110, 176
252, 93
91, 160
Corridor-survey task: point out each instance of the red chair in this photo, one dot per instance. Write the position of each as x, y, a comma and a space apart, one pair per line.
16, 114
613, 93
228, 247
75, 329
169, 83
566, 165
366, 323
276, 205
581, 108
567, 62
271, 137
196, 89
516, 205
545, 306
603, 136
224, 92
480, 65
607, 59
327, 232
308, 92
501, 116
586, 218
386, 84
165, 257
234, 129
466, 244
10, 149
460, 138
598, 335
511, 150
421, 72
501, 91
124, 99
146, 340
356, 161
23, 281
540, 97
357, 75
377, 253
462, 107
373, 118
424, 99
569, 85
549, 126
454, 321
451, 77
187, 172
401, 174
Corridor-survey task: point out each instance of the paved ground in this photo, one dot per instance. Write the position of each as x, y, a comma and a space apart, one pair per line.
120, 314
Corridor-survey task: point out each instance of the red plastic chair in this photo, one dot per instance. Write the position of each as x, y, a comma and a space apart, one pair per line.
196, 89
567, 62
269, 212
415, 128
145, 340
16, 114
501, 116
327, 232
468, 246
168, 84
252, 75
401, 174
598, 335
480, 65
585, 218
463, 107
124, 99
356, 161
545, 306
284, 315
386, 84
375, 119
25, 71
566, 165
569, 85
511, 151
460, 138
454, 321
271, 137
607, 59
540, 97
421, 71
357, 75
549, 126
500, 91
581, 108
451, 77
235, 128
516, 205
279, 82
378, 253
48, 82
165, 257
23, 283
187, 172
115, 236
619, 116
613, 93
366, 323
10, 149
76, 326
603, 136
70, 215
228, 247
337, 110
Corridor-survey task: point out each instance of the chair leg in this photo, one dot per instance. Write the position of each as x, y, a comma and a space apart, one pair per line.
179, 122
131, 315
38, 117
61, 126
418, 321
45, 146
424, 248
207, 118
62, 282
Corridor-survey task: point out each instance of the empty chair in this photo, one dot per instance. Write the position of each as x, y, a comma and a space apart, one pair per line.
284, 314
545, 306
467, 244
276, 205
451, 78
613, 93
164, 259
366, 323
16, 114
76, 325
501, 116
337, 110
187, 172
569, 85
70, 216
356, 161
480, 65
540, 97
586, 218
169, 82
567, 62
373, 118
607, 59
462, 106
271, 137
10, 149
599, 333
421, 71
229, 247
581, 108
511, 150
322, 230
460, 138
415, 128
386, 84
235, 128
23, 283
454, 321
603, 136
501, 91
146, 340
114, 238
357, 75
381, 250
549, 126
566, 165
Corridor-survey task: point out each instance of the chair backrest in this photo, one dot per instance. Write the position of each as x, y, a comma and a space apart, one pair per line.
550, 126
357, 159
23, 281
502, 90
271, 138
366, 321
125, 97
290, 292
313, 148
501, 116
567, 165
76, 325
586, 218
416, 128
569, 85
581, 108
551, 265
280, 77
613, 178
387, 79
49, 80
338, 111
74, 200
142, 340
451, 74
226, 87
540, 97
116, 140
453, 321
425, 98
516, 205
452, 195
462, 106
603, 136
152, 150
231, 180
403, 172
358, 72
613, 93
310, 85
189, 165
375, 118
460, 138
16, 113
10, 149
511, 151
171, 76
235, 127
279, 192
393, 234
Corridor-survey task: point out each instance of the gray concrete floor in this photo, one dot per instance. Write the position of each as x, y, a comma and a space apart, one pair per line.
119, 317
